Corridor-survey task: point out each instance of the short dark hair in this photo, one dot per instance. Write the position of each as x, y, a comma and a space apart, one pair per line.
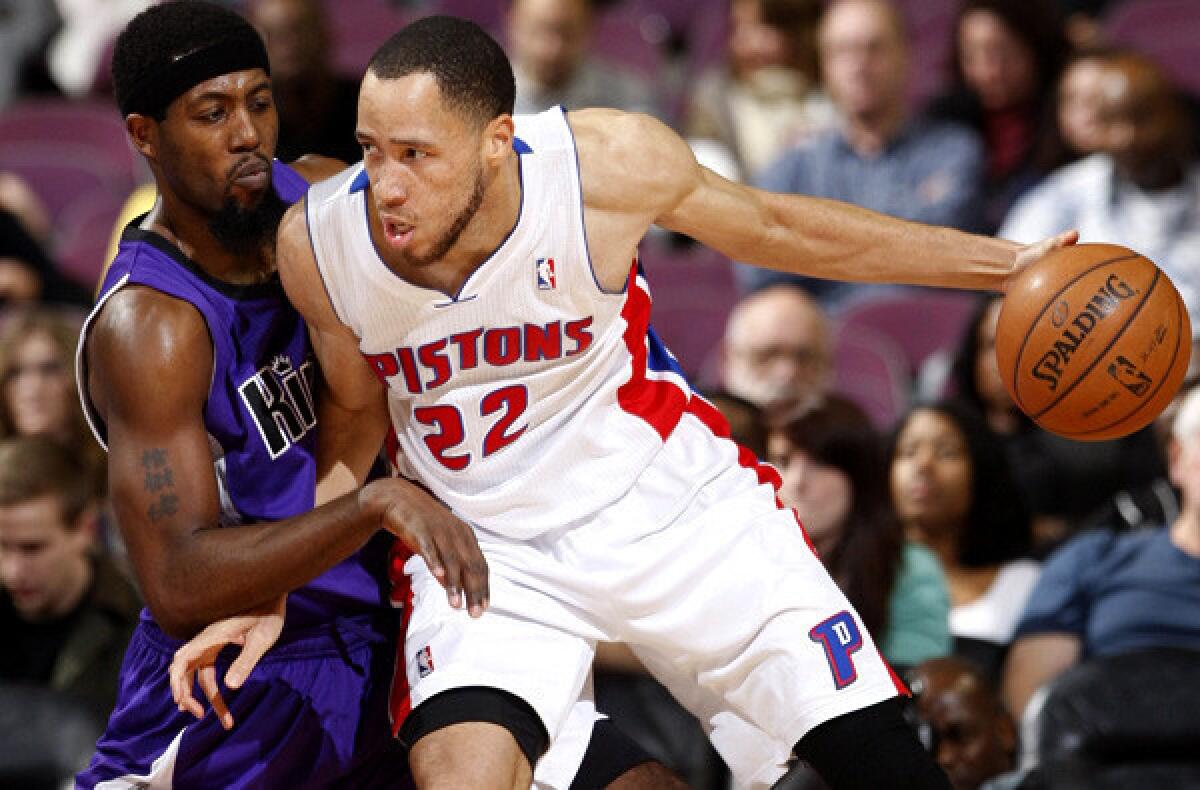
170, 48
32, 467
472, 71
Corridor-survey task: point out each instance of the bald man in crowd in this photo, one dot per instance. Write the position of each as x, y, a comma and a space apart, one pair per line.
777, 351
880, 156
1141, 190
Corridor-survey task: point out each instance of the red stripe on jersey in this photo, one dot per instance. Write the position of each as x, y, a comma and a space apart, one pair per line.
659, 403
399, 701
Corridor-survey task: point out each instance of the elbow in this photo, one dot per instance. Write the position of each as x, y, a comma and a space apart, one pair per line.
175, 611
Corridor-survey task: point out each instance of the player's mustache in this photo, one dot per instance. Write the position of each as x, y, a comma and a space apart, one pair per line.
247, 165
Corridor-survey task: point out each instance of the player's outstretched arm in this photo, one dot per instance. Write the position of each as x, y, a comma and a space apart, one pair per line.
637, 170
149, 367
353, 402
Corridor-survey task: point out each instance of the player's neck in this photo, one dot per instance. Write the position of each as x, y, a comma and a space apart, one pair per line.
869, 133
188, 230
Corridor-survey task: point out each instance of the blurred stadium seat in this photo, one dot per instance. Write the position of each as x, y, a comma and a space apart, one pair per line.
919, 322
869, 369
693, 292
93, 127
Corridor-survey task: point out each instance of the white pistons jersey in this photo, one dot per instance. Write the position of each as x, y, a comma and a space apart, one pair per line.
531, 399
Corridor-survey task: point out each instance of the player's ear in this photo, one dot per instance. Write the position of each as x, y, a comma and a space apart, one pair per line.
143, 132
498, 139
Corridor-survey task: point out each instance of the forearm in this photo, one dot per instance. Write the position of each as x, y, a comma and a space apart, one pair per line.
215, 572
834, 240
1033, 661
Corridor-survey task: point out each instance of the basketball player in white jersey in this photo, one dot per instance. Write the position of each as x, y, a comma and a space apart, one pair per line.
479, 266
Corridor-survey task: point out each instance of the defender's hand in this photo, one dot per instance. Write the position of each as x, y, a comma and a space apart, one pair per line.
427, 527
1032, 253
256, 630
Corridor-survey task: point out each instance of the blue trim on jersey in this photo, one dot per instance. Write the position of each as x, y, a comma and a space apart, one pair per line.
521, 147
659, 358
360, 181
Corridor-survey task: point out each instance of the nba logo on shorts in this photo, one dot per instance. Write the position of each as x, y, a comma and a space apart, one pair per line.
424, 661
546, 279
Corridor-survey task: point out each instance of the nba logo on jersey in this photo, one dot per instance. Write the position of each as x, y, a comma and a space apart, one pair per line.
546, 279
424, 661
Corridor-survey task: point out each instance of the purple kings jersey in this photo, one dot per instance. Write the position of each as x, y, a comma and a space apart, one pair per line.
260, 413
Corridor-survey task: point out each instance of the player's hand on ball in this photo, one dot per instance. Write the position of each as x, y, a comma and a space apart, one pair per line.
1031, 253
255, 630
446, 543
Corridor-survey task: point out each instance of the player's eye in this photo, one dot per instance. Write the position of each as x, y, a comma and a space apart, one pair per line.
212, 115
414, 153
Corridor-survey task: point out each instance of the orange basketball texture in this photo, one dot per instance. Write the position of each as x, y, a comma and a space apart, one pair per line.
1093, 341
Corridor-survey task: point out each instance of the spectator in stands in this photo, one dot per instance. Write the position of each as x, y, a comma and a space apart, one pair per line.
24, 28
548, 41
831, 462
27, 274
952, 490
766, 97
1083, 22
746, 424
66, 612
1061, 481
37, 384
776, 352
968, 730
317, 107
1141, 190
19, 199
1007, 58
1106, 593
1080, 96
880, 157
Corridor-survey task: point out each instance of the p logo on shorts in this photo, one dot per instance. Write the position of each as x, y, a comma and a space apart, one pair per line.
841, 639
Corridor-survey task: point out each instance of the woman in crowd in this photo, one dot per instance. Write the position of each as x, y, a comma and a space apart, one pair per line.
1007, 59
38, 393
952, 490
831, 462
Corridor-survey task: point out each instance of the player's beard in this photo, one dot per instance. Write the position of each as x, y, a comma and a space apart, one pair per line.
464, 217
244, 230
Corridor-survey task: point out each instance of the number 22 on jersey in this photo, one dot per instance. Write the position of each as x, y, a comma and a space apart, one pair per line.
449, 431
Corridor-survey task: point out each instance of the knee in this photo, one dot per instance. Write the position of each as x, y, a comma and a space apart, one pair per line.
469, 755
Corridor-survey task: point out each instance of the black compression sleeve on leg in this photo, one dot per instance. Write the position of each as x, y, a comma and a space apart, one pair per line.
869, 749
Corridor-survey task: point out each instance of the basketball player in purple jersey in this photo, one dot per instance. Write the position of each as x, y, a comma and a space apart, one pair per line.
199, 379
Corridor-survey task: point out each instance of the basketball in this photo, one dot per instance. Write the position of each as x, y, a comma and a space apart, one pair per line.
1093, 341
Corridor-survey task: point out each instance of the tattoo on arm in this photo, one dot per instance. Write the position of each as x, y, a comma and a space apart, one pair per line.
159, 480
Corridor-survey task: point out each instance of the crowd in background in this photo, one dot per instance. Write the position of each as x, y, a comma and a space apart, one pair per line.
986, 557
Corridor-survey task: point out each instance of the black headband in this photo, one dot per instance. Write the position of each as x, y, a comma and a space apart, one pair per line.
239, 50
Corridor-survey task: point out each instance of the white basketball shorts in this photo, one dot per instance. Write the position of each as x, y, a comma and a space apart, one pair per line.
697, 567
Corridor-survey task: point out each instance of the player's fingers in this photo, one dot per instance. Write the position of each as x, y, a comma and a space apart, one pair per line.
257, 642
1034, 252
182, 679
208, 682
451, 563
474, 573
